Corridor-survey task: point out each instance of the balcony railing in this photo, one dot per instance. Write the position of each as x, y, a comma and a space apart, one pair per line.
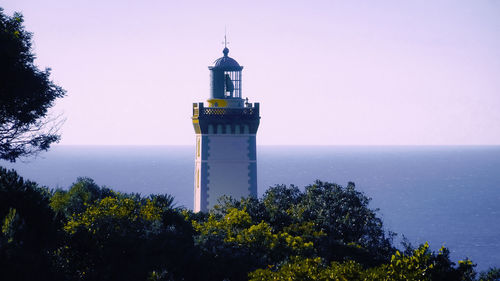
199, 110
228, 111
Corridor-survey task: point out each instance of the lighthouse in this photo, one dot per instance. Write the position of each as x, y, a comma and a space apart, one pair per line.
226, 127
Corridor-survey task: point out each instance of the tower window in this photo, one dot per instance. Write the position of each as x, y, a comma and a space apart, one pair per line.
197, 177
198, 146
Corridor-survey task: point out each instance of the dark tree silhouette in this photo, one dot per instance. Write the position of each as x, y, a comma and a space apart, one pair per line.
28, 232
26, 93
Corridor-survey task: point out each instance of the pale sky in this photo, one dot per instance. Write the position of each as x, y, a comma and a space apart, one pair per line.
325, 72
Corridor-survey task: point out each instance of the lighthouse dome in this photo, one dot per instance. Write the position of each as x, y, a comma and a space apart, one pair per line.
226, 63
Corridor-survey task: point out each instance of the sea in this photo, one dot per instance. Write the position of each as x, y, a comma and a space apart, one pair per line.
445, 195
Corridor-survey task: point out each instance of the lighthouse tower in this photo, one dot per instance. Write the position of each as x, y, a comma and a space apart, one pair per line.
225, 127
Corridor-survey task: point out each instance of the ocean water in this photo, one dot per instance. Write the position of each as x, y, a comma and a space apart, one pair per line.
446, 195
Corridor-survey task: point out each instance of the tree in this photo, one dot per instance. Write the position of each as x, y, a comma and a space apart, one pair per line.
75, 200
351, 230
493, 274
236, 244
125, 237
26, 93
326, 232
325, 220
419, 264
28, 233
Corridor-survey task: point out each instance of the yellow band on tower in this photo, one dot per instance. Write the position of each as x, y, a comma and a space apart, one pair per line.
217, 103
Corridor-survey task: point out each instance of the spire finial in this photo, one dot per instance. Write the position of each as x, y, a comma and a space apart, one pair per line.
226, 50
225, 41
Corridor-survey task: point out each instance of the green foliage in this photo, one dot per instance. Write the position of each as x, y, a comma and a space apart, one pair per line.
28, 229
82, 193
312, 269
26, 94
326, 232
410, 267
231, 235
10, 224
236, 227
326, 220
344, 215
420, 265
493, 274
126, 238
337, 220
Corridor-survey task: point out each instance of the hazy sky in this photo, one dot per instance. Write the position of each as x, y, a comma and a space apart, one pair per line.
325, 72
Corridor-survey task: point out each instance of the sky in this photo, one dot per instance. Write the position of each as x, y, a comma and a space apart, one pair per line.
325, 72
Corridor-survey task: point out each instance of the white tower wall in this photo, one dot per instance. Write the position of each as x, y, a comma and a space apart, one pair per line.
225, 165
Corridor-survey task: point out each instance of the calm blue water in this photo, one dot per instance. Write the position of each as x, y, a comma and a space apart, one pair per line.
445, 195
